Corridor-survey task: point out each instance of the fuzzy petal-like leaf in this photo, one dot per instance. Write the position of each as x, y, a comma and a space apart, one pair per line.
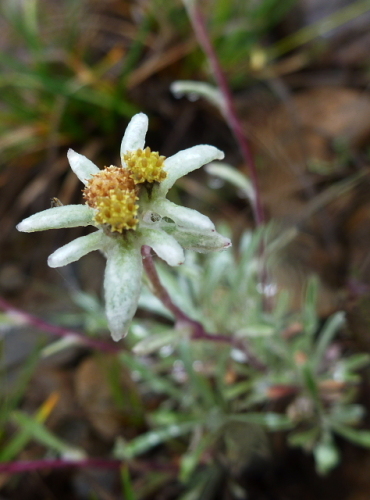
122, 284
134, 137
164, 245
186, 161
200, 241
82, 166
58, 217
182, 216
76, 249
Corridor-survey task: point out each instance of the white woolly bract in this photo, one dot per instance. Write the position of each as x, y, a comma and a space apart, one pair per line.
164, 245
185, 217
122, 284
82, 166
58, 217
135, 133
186, 161
77, 248
201, 241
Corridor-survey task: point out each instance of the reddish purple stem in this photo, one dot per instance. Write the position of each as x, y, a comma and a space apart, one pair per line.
159, 291
198, 331
17, 467
24, 466
57, 331
200, 30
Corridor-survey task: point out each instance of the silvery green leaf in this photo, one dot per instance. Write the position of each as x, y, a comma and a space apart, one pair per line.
155, 342
59, 345
200, 241
348, 414
134, 137
150, 302
189, 5
258, 330
272, 420
230, 174
122, 284
194, 90
164, 245
182, 216
82, 166
183, 300
35, 428
186, 161
327, 333
76, 249
357, 436
326, 456
58, 217
147, 441
355, 362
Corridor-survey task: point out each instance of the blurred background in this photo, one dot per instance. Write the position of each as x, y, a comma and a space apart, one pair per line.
72, 74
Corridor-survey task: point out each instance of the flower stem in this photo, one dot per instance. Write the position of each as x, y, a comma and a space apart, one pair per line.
200, 30
58, 331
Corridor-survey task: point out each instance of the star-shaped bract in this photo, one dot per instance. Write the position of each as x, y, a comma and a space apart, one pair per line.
155, 221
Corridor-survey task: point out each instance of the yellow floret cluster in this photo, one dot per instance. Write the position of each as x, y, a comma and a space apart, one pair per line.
114, 191
118, 210
145, 165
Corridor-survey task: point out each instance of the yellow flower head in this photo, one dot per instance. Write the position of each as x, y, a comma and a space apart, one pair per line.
145, 165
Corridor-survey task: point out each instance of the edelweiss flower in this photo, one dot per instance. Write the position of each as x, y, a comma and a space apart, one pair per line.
128, 205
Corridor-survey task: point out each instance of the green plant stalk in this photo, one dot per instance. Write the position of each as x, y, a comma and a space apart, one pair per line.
127, 484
